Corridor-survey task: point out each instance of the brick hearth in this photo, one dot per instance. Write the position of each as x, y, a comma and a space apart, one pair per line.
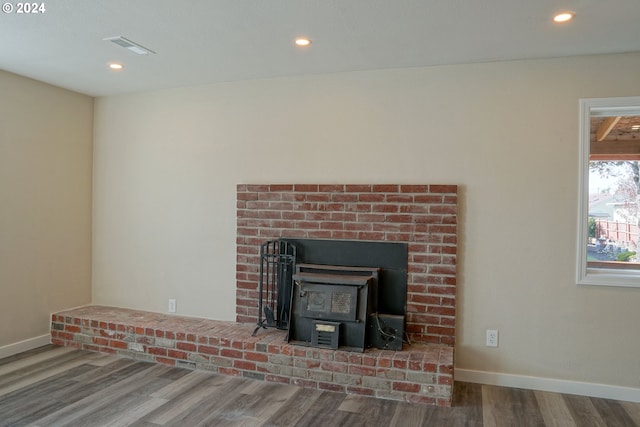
421, 374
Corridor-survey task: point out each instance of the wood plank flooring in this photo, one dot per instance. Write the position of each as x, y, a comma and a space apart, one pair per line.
57, 386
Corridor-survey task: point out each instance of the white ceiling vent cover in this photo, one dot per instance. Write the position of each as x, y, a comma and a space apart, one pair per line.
128, 44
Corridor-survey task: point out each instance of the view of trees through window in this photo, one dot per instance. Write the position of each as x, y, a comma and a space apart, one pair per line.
614, 194
609, 192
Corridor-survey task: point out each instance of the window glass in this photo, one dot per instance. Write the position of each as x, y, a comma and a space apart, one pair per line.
609, 221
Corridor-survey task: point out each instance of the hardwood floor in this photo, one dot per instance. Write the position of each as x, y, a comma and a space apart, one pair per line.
58, 386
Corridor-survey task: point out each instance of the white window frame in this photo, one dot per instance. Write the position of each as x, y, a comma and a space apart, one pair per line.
585, 275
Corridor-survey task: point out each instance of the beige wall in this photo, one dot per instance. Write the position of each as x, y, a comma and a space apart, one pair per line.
46, 136
166, 164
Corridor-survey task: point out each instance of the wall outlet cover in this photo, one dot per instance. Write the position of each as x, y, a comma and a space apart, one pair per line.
492, 338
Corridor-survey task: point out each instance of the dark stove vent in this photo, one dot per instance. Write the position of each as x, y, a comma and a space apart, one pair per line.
325, 334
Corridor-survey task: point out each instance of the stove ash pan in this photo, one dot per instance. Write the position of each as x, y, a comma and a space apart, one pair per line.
331, 305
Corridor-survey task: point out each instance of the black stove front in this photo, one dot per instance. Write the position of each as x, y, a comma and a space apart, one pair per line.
331, 305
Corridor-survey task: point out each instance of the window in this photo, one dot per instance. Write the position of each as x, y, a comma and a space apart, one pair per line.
609, 210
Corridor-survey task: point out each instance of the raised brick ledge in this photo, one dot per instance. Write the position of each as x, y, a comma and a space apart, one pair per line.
418, 374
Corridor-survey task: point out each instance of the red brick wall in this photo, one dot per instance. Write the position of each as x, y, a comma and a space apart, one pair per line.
423, 216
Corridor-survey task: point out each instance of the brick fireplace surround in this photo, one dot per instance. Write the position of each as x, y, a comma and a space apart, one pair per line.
423, 216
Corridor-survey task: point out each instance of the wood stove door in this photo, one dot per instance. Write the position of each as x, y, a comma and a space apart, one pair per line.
329, 302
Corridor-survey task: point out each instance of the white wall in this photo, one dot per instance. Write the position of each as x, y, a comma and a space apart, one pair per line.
46, 136
166, 164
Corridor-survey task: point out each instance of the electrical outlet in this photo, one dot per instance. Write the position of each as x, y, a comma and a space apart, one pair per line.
492, 338
172, 306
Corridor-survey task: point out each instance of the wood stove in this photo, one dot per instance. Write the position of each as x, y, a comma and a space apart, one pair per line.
344, 294
331, 305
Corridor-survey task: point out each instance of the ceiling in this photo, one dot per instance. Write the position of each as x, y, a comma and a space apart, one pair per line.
211, 41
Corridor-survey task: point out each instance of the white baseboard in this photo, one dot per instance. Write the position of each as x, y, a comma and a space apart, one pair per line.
19, 347
628, 394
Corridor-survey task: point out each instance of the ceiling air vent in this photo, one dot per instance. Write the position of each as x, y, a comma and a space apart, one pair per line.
128, 44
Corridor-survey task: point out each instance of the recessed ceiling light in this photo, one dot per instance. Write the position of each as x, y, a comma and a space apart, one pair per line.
564, 17
116, 66
302, 41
